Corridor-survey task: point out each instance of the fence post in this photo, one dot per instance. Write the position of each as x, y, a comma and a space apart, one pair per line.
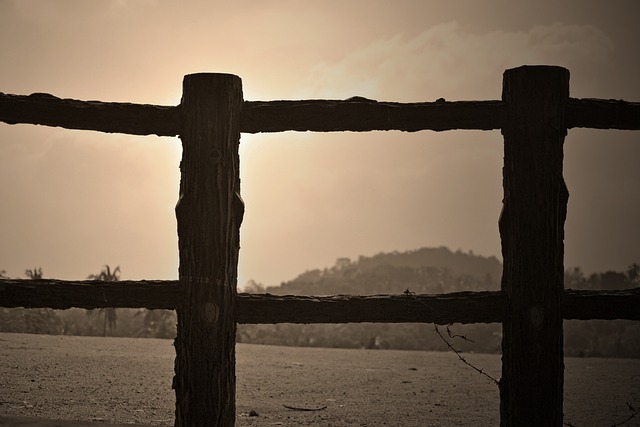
532, 234
209, 213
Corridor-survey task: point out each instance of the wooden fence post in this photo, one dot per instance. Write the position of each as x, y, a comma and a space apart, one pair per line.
209, 213
532, 234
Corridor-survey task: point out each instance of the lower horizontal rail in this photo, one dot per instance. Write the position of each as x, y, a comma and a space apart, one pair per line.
89, 294
459, 307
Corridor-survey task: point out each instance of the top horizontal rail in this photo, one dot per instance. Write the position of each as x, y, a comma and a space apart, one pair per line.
354, 114
110, 117
361, 115
603, 114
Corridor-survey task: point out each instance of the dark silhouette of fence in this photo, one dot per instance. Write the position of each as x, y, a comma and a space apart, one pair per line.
534, 115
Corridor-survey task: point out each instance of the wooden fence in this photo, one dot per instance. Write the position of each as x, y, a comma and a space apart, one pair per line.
534, 114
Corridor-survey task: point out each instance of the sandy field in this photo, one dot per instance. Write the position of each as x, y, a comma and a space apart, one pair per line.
126, 380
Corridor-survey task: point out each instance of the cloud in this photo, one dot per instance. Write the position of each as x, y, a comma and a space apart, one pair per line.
447, 61
351, 194
560, 41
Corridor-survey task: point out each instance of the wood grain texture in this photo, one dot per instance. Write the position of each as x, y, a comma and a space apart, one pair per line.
532, 235
89, 294
209, 214
360, 115
461, 307
355, 114
48, 110
603, 114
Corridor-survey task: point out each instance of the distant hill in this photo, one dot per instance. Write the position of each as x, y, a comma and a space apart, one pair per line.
459, 263
426, 270
433, 271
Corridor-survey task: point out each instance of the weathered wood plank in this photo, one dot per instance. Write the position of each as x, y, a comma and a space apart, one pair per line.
257, 116
360, 115
89, 294
532, 234
48, 110
356, 115
460, 307
457, 307
603, 114
603, 305
209, 213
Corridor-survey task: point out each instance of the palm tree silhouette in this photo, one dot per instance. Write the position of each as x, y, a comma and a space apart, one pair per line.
34, 274
109, 313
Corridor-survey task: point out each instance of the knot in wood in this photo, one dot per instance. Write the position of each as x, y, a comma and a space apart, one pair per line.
211, 312
214, 155
536, 316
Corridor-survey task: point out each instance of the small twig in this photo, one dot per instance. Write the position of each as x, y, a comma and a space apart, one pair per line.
296, 408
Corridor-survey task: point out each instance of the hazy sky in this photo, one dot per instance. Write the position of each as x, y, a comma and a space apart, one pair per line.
72, 201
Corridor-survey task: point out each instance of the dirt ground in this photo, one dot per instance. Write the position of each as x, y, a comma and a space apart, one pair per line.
125, 380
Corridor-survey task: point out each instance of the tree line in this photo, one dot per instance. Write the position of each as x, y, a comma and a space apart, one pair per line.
118, 322
432, 271
422, 271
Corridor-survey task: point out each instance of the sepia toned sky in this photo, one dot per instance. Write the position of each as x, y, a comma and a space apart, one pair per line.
72, 201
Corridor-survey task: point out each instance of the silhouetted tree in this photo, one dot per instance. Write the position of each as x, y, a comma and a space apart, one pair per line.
252, 287
634, 273
34, 274
110, 316
610, 280
157, 323
574, 279
30, 320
